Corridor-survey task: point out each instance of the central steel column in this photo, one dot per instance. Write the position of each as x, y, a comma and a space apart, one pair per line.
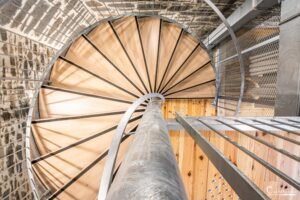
149, 170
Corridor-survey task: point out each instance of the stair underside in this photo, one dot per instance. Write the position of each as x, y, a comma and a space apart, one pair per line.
94, 83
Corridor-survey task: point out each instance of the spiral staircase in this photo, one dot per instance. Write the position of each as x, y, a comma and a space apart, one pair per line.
71, 71
92, 84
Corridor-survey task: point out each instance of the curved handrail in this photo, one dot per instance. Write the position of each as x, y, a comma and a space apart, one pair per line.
238, 51
115, 144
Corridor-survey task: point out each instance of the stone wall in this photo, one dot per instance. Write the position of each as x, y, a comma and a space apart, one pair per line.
50, 22
22, 63
54, 22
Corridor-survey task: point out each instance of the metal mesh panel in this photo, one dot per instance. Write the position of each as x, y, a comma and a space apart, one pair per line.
258, 40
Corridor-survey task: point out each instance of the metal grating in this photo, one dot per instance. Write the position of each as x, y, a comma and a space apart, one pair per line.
264, 147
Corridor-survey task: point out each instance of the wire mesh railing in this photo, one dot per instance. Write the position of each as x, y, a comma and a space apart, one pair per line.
259, 41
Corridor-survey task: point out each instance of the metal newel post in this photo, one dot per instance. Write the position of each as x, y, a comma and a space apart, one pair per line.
149, 169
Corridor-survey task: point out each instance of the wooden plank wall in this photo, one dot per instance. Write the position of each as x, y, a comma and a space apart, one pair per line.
201, 179
246, 110
193, 163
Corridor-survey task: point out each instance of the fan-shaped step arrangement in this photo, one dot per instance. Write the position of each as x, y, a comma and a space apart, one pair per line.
93, 83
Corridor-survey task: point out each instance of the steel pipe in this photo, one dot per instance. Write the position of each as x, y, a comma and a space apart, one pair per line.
149, 170
114, 148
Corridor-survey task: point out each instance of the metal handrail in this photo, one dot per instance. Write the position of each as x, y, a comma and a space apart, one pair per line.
238, 51
115, 144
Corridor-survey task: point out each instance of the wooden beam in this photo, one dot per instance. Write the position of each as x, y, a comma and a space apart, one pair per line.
82, 172
143, 51
38, 121
195, 71
157, 57
130, 60
85, 94
99, 77
110, 62
169, 62
182, 64
43, 157
206, 82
